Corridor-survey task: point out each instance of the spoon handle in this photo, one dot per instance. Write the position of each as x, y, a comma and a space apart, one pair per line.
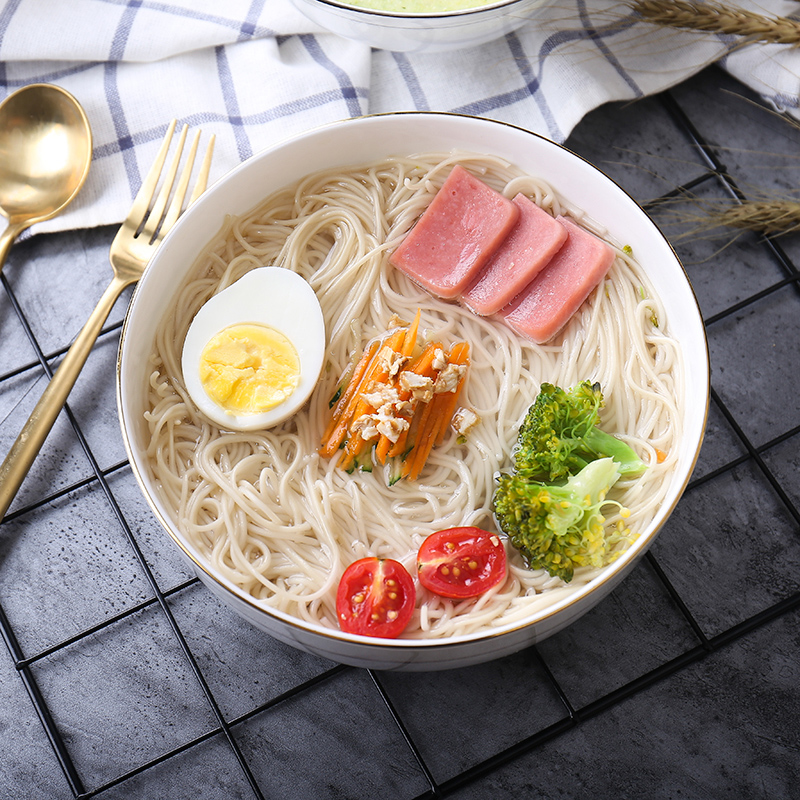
25, 449
7, 238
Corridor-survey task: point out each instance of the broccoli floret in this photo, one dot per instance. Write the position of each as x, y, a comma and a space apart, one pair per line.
559, 435
559, 527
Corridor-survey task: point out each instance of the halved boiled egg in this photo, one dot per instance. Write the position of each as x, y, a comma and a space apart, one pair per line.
254, 352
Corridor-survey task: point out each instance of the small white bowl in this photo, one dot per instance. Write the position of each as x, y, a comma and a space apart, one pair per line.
428, 32
357, 141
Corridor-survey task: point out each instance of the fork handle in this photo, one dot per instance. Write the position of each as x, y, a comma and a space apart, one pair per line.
25, 449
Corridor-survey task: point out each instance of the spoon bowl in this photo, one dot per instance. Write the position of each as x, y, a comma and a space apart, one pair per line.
45, 153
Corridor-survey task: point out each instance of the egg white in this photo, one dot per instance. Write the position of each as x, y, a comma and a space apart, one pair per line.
272, 296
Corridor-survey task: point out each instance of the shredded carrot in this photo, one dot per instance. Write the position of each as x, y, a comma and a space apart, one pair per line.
352, 450
422, 365
398, 448
382, 448
375, 374
402, 445
337, 426
423, 441
351, 402
428, 422
661, 456
410, 341
459, 354
435, 418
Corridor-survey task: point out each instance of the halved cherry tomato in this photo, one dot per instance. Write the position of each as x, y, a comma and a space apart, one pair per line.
376, 597
461, 562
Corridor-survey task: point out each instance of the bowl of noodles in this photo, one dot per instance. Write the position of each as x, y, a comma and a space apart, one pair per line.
267, 522
421, 25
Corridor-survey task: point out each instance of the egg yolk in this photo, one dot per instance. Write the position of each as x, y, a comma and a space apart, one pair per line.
249, 369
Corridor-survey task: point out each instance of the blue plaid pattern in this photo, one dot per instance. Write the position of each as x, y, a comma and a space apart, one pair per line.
257, 71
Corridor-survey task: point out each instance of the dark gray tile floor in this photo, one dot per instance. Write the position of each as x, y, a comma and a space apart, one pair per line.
122, 677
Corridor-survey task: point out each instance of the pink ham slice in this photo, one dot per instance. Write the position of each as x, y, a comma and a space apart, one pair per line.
533, 241
556, 293
461, 228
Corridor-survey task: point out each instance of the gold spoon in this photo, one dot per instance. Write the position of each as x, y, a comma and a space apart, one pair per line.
45, 152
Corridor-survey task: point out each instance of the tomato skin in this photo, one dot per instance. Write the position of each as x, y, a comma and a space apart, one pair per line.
461, 562
376, 597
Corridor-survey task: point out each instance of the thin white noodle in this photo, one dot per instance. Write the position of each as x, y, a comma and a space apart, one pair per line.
268, 513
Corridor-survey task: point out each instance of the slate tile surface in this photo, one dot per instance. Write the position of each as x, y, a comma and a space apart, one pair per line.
121, 676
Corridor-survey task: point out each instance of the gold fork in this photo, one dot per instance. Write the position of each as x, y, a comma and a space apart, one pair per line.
139, 237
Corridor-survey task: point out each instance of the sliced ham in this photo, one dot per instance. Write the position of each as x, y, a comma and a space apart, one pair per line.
456, 235
556, 293
533, 241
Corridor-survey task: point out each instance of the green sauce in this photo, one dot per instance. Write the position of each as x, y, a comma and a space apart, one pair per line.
419, 6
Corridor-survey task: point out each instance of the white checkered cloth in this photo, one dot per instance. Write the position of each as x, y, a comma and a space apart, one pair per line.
257, 71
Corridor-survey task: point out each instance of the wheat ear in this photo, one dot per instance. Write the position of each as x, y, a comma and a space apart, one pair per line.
769, 217
714, 17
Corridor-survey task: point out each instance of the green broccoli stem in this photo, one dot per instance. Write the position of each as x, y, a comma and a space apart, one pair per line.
600, 444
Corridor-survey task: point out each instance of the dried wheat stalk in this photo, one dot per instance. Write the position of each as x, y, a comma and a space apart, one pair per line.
767, 217
714, 17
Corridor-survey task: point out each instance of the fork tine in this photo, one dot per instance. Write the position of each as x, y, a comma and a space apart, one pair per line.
174, 210
205, 168
153, 221
148, 188
176, 206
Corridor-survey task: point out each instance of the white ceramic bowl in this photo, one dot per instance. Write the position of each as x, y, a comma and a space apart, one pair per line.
429, 32
356, 141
